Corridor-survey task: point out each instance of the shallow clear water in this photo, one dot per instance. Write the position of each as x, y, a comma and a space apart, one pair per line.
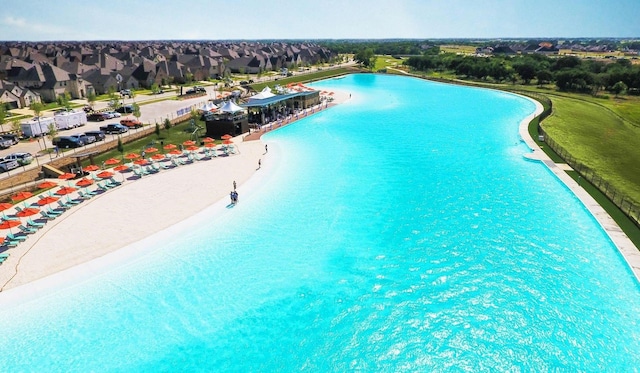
401, 231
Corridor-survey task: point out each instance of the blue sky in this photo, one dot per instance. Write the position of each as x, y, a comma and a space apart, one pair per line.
36, 20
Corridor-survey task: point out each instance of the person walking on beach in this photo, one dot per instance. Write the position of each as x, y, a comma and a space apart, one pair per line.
266, 150
234, 185
259, 164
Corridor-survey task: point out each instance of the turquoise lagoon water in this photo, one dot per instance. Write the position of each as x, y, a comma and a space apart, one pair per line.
401, 231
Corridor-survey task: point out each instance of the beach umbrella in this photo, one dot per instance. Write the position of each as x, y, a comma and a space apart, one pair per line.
47, 200
29, 211
5, 206
84, 182
47, 185
157, 157
67, 176
210, 145
111, 161
227, 142
105, 174
132, 156
140, 162
169, 147
193, 148
8, 224
207, 140
91, 167
65, 190
189, 143
20, 196
175, 152
151, 150
122, 167
226, 137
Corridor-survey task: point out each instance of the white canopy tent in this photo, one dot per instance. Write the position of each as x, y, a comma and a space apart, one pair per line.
230, 107
265, 93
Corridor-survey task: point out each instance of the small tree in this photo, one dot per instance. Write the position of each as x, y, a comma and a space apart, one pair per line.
64, 100
3, 115
91, 98
619, 87
16, 127
167, 123
37, 108
114, 99
120, 147
135, 110
155, 89
52, 132
157, 130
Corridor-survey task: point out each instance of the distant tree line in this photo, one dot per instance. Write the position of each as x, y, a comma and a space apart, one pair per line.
568, 73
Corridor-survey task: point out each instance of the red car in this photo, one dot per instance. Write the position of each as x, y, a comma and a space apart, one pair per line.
131, 123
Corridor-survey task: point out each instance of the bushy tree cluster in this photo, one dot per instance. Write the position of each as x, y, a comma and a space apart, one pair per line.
568, 73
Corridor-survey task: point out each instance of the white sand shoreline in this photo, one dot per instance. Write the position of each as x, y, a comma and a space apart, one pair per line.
122, 224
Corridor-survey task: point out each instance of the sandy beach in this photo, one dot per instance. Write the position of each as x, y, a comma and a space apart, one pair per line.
110, 223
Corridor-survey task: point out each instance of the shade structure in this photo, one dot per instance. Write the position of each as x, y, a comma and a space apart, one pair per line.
122, 167
141, 162
105, 174
207, 140
29, 211
47, 185
111, 161
8, 224
132, 156
169, 147
210, 145
91, 167
151, 150
5, 206
227, 142
65, 190
226, 137
193, 148
157, 157
47, 200
20, 196
84, 182
176, 152
67, 176
189, 143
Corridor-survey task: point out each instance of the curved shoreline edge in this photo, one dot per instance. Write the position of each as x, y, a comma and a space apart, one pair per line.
625, 246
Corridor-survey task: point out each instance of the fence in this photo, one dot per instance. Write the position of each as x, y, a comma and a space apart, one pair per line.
621, 200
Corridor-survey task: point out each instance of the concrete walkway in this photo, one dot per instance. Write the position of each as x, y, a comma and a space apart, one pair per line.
629, 251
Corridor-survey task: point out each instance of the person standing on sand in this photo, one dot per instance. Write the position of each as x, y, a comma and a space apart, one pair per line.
234, 185
266, 150
259, 164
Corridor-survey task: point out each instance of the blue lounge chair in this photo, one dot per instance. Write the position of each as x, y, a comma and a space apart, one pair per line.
13, 237
47, 215
34, 224
27, 230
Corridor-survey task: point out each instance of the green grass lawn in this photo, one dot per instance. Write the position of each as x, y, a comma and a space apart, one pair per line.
175, 135
599, 139
323, 74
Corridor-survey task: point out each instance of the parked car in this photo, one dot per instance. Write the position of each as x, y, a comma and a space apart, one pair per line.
64, 142
22, 158
84, 138
131, 123
98, 135
124, 109
190, 91
125, 92
199, 89
8, 165
5, 144
114, 128
112, 114
96, 117
11, 137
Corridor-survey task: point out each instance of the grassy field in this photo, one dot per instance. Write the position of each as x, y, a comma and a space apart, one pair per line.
323, 74
600, 139
458, 49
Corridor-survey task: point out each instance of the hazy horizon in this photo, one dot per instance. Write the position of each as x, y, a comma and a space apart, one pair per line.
120, 20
